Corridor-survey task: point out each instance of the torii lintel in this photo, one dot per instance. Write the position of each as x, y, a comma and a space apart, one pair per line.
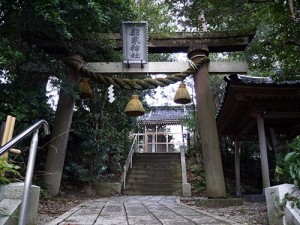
109, 68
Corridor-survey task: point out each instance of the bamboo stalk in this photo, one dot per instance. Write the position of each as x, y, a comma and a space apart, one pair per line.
8, 132
11, 129
15, 151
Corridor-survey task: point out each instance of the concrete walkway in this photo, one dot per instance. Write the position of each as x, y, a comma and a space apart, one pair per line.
137, 210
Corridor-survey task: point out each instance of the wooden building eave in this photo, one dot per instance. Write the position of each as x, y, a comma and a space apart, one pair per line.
160, 122
278, 104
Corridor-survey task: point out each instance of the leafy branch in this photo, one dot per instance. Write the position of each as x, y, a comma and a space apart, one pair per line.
6, 169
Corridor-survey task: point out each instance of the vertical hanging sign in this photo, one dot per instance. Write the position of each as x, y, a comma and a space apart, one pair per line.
135, 42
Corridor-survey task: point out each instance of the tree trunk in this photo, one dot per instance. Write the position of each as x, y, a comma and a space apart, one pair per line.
59, 138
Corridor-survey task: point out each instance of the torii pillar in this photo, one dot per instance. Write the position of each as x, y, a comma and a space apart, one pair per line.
215, 184
60, 134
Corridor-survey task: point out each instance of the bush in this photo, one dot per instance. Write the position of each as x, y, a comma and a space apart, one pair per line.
292, 162
7, 171
195, 169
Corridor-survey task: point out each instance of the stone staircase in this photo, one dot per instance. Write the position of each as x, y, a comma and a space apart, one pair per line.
154, 174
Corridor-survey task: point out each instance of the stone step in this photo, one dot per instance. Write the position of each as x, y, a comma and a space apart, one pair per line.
132, 180
154, 177
154, 186
158, 156
154, 174
9, 211
153, 192
156, 168
158, 162
149, 176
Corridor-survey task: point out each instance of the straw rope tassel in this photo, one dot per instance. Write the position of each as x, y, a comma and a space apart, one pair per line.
182, 95
134, 107
85, 89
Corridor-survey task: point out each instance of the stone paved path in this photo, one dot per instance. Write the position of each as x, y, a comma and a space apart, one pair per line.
137, 210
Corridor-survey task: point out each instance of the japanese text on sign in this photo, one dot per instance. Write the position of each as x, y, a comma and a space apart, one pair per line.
135, 43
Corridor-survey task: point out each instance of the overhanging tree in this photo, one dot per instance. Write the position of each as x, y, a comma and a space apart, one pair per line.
25, 25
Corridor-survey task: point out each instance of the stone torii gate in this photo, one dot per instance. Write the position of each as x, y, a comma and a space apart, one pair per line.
197, 45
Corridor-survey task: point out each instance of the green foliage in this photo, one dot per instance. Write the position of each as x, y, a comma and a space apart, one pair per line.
287, 164
292, 162
275, 46
280, 205
44, 194
7, 171
195, 169
250, 166
156, 13
190, 121
291, 172
26, 66
100, 142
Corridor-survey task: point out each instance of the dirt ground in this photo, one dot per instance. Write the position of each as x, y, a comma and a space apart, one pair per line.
70, 196
247, 214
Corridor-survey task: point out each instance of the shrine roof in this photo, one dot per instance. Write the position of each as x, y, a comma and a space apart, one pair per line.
166, 115
247, 98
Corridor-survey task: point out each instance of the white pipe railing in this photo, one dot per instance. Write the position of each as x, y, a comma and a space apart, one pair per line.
30, 164
128, 161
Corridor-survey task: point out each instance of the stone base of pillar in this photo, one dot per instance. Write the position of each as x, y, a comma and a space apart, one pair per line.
186, 190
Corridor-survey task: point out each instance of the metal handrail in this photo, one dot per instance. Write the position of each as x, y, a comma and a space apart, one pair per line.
129, 160
30, 164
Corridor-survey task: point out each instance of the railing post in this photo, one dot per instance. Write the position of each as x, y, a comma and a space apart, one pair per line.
186, 187
124, 182
28, 178
183, 164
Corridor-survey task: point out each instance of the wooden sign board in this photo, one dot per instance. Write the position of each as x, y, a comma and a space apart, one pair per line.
135, 42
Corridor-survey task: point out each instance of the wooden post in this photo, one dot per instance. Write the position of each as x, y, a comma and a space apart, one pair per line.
215, 183
263, 153
273, 138
59, 137
237, 169
8, 132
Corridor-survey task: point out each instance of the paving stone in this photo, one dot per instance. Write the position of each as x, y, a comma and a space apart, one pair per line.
176, 222
110, 221
136, 210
